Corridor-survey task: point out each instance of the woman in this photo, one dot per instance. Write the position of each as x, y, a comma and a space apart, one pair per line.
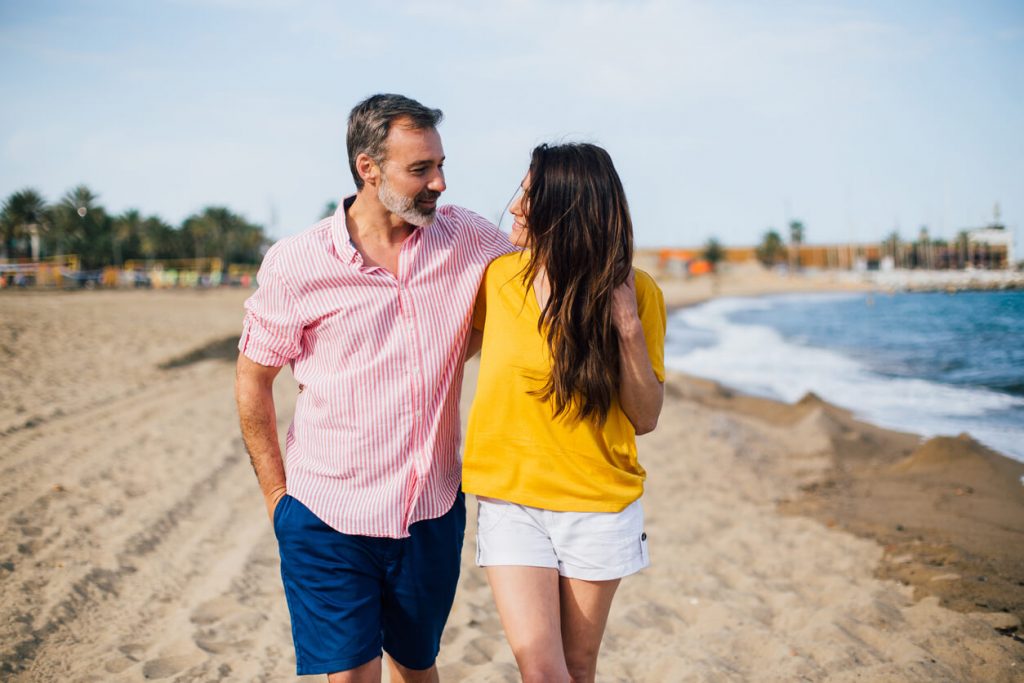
571, 370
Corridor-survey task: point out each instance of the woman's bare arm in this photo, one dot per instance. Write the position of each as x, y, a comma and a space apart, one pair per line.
640, 393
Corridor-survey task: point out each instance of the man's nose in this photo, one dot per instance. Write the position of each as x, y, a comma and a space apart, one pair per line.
437, 183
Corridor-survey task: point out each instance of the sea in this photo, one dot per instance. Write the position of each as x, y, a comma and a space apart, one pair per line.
929, 363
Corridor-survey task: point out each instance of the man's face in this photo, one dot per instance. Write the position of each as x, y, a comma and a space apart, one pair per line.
412, 176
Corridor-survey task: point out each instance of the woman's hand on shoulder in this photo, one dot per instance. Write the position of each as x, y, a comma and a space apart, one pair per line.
624, 311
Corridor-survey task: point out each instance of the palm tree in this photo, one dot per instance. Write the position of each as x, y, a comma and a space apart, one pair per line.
771, 249
204, 231
219, 232
796, 238
25, 215
924, 245
714, 253
963, 242
84, 224
245, 243
157, 238
127, 230
80, 199
891, 247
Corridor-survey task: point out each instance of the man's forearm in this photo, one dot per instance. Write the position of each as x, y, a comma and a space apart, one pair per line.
258, 419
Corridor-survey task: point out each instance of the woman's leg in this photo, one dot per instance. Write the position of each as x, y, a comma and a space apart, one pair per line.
528, 603
584, 613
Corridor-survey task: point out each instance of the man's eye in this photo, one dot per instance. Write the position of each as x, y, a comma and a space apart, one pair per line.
417, 171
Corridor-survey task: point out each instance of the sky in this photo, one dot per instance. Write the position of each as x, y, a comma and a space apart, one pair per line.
724, 118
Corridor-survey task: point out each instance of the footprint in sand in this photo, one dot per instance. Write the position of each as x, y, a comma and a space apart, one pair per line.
223, 624
118, 663
214, 610
218, 647
168, 666
133, 651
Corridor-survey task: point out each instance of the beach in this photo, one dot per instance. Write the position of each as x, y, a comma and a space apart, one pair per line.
788, 542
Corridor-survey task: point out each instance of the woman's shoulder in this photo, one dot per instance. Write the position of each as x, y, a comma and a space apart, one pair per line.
507, 264
645, 282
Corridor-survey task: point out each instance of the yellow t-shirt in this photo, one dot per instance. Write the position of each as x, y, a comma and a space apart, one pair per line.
515, 448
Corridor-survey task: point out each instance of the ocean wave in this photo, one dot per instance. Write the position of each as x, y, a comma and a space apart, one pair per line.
758, 359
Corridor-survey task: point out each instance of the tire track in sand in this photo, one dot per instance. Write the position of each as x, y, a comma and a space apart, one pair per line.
172, 528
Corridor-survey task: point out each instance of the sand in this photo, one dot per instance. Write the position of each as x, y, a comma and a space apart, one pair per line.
788, 542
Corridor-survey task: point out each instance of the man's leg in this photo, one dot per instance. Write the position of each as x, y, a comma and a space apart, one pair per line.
419, 589
333, 583
401, 674
367, 673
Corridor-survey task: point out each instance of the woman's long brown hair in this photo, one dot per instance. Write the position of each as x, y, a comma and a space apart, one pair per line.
581, 235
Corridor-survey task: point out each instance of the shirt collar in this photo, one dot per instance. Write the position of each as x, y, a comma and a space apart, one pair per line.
343, 242
339, 232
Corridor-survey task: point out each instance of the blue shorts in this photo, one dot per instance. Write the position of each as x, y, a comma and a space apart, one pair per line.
350, 597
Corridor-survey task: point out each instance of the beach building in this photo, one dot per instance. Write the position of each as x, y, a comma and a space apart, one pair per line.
993, 240
986, 248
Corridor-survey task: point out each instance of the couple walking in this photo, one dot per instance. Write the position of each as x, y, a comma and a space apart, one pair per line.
376, 309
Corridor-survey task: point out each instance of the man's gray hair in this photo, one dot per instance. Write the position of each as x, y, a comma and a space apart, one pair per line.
371, 119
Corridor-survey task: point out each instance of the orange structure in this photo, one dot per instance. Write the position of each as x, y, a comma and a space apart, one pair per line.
688, 261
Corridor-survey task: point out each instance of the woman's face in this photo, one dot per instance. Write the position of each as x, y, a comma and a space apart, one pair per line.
519, 236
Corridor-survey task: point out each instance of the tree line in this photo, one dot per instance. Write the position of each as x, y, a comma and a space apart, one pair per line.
923, 252
770, 251
33, 228
773, 251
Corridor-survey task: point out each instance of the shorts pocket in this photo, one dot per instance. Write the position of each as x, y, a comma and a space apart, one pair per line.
279, 510
490, 512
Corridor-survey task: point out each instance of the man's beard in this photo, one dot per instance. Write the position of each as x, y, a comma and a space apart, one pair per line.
405, 207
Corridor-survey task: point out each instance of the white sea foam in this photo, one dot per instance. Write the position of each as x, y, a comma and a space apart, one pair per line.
758, 360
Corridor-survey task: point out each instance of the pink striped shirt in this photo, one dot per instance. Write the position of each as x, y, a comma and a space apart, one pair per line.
373, 446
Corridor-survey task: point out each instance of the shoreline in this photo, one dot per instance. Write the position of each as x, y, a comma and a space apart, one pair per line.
684, 294
969, 567
947, 511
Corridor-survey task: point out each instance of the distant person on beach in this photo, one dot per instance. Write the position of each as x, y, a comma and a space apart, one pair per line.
571, 370
371, 307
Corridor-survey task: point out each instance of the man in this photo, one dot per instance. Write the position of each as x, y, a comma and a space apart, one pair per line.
371, 308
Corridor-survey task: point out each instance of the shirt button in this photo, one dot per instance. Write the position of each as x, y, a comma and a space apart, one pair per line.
419, 413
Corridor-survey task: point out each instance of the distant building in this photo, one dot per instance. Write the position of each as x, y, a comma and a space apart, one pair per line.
994, 238
987, 248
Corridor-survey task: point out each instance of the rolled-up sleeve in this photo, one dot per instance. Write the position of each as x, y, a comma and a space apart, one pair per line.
272, 329
653, 319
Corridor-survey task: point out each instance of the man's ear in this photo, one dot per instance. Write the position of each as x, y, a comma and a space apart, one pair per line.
368, 169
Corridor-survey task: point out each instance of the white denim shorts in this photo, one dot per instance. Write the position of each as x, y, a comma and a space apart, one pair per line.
593, 546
